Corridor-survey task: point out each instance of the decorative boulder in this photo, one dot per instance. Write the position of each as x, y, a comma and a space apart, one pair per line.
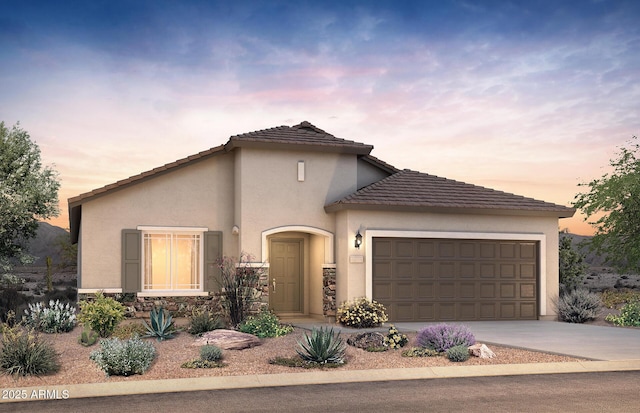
366, 340
228, 339
482, 351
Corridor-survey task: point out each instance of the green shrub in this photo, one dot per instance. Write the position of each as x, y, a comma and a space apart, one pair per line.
210, 352
420, 352
25, 353
613, 298
265, 324
394, 339
124, 357
56, 318
458, 353
201, 364
102, 315
361, 313
160, 325
210, 356
88, 337
322, 347
578, 306
124, 331
203, 321
629, 315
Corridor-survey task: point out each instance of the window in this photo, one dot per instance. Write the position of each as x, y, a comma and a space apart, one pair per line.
172, 260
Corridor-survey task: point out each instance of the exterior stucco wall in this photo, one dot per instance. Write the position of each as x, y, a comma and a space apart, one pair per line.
351, 276
368, 174
198, 195
269, 194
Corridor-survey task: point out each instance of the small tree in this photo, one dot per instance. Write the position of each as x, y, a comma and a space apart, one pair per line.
572, 266
614, 200
28, 193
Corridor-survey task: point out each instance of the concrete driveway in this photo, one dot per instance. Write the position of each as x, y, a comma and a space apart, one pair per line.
579, 340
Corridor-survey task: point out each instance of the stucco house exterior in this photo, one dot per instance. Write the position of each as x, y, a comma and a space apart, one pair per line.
327, 222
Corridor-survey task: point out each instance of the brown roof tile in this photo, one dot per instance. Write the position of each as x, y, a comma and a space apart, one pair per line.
414, 191
303, 134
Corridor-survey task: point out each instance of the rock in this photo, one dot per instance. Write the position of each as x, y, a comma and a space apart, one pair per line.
366, 340
228, 339
482, 351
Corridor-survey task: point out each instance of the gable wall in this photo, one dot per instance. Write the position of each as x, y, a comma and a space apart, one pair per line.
368, 174
200, 194
269, 195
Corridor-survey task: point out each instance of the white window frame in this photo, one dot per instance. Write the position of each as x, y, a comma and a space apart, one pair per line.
199, 231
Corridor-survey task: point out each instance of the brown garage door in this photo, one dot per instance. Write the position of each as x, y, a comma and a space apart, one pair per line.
450, 279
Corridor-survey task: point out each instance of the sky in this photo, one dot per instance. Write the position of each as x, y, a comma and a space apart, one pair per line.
528, 97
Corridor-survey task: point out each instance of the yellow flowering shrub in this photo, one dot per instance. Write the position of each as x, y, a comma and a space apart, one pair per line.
361, 313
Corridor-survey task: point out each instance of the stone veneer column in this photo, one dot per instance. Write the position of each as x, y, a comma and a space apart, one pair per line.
329, 290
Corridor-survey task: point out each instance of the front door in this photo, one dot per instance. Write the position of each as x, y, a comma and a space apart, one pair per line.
285, 276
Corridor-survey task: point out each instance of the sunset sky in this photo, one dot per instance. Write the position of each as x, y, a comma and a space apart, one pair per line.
528, 97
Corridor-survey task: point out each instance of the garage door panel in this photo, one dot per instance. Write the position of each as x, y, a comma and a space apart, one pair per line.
445, 270
467, 270
467, 290
382, 291
426, 311
508, 290
426, 249
528, 290
508, 271
446, 290
488, 291
404, 249
426, 290
444, 279
446, 311
528, 271
404, 291
528, 311
405, 312
403, 269
425, 270
467, 311
508, 311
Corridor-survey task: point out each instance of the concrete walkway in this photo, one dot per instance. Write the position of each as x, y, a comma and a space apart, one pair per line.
615, 349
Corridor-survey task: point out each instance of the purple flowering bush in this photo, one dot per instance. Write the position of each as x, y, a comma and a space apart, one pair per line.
441, 337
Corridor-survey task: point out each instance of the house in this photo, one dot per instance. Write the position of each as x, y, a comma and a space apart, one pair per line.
328, 222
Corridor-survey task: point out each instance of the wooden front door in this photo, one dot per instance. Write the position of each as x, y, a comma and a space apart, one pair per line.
286, 275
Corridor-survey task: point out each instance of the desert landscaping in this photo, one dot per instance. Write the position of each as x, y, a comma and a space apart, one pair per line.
76, 366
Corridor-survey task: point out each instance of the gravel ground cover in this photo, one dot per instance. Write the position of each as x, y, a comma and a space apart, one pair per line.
76, 367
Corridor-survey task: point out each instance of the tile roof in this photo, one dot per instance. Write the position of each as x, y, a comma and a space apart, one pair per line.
305, 134
415, 191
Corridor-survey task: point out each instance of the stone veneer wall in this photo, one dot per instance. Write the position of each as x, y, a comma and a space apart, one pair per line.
179, 306
183, 306
329, 291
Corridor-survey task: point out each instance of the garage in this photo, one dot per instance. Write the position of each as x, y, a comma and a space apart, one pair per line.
441, 279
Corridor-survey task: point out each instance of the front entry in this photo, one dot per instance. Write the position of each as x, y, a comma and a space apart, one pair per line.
286, 275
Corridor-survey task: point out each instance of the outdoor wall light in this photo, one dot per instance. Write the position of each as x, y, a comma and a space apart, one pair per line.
358, 239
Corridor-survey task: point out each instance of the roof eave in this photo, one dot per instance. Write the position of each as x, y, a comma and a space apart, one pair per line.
558, 213
259, 144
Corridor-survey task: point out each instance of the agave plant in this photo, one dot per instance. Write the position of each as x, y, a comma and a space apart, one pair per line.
161, 326
322, 346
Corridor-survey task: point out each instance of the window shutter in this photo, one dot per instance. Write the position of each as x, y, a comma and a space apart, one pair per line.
212, 252
131, 261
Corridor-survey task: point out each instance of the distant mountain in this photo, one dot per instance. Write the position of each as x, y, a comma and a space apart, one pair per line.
579, 242
44, 244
